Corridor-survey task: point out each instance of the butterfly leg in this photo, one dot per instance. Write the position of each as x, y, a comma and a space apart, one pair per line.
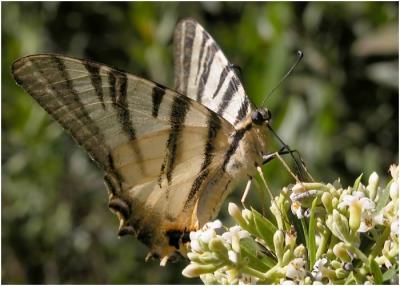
300, 166
283, 151
246, 190
279, 215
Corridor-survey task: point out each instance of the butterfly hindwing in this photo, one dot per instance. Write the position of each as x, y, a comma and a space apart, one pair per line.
203, 73
159, 149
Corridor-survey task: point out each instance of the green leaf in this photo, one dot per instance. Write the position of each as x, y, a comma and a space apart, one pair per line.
312, 249
257, 258
376, 271
305, 231
357, 182
389, 274
265, 228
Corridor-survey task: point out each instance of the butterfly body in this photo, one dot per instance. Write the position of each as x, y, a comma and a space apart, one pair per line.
170, 157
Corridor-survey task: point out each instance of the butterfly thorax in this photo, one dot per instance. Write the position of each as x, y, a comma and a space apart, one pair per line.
250, 140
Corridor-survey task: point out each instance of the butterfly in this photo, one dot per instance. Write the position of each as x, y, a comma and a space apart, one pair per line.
170, 157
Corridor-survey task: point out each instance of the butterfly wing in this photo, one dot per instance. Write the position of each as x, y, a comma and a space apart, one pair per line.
203, 73
160, 150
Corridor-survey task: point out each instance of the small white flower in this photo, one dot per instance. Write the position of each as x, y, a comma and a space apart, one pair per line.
296, 269
368, 217
233, 256
288, 282
212, 225
357, 197
227, 236
296, 209
320, 263
318, 267
207, 235
383, 260
369, 220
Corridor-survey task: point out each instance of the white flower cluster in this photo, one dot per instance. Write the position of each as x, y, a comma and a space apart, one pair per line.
336, 236
216, 255
354, 215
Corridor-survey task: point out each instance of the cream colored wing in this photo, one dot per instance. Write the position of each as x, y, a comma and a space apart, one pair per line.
160, 150
203, 73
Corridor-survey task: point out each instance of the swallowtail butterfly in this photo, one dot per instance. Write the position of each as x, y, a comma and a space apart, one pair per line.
170, 157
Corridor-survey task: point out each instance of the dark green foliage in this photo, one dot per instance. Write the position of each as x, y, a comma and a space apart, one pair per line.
339, 109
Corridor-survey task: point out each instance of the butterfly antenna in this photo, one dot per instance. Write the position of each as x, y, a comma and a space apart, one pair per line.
299, 57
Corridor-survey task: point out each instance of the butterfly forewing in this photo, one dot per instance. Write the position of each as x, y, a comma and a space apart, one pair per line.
203, 73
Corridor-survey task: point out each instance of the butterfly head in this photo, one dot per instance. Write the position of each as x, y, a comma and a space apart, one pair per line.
261, 116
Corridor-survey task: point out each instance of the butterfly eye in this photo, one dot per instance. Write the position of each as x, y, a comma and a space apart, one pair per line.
260, 116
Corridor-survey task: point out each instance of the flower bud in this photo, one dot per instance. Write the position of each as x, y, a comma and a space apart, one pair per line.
236, 242
335, 264
195, 257
341, 273
217, 245
287, 256
247, 215
340, 225
341, 252
298, 188
279, 240
355, 210
300, 251
335, 202
373, 182
290, 238
308, 281
195, 270
208, 258
235, 212
327, 201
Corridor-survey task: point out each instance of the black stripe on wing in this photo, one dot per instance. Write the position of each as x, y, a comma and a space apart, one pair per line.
230, 92
190, 31
237, 136
180, 107
118, 91
214, 125
94, 72
211, 51
157, 95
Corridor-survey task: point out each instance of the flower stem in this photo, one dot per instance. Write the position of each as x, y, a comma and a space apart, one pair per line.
379, 243
358, 252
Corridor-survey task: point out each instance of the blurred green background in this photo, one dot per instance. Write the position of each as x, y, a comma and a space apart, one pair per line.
339, 108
